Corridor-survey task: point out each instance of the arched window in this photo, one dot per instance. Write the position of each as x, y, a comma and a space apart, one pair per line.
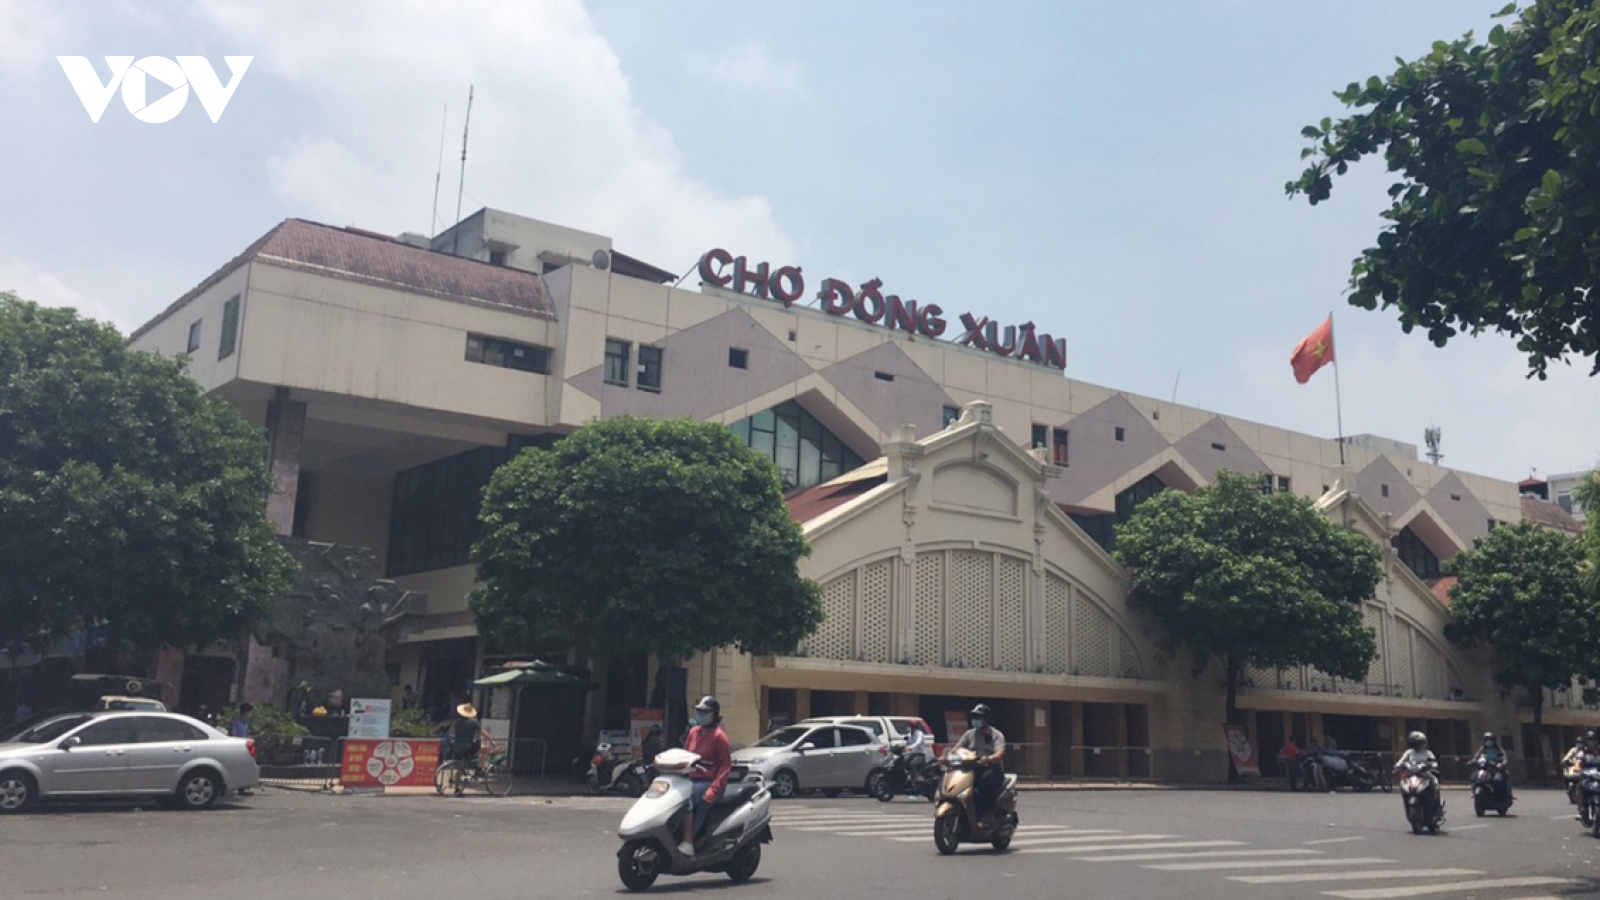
1415, 554
806, 452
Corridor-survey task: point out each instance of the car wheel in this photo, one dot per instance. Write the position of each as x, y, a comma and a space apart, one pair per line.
17, 792
199, 790
784, 785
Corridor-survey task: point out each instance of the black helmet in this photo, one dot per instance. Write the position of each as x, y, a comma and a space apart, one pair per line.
709, 704
981, 711
1416, 740
654, 730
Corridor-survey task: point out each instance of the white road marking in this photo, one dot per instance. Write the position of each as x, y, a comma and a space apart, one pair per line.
848, 820
1468, 827
1335, 840
1203, 854
1302, 877
1269, 864
1142, 845
1425, 889
888, 831
1090, 839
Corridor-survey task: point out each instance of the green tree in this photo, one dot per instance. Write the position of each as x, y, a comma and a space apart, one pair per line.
127, 496
1251, 579
642, 536
1519, 593
1587, 494
1495, 215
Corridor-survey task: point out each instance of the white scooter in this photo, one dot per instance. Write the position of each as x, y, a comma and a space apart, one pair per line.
735, 828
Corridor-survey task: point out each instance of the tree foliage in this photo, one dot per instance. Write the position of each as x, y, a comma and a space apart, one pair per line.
127, 497
1520, 594
1495, 215
664, 537
1251, 579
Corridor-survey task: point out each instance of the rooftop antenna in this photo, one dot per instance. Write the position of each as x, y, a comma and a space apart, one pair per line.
1431, 436
433, 220
1175, 386
455, 239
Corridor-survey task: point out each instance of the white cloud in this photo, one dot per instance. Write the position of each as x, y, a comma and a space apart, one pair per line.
555, 133
752, 67
45, 289
27, 33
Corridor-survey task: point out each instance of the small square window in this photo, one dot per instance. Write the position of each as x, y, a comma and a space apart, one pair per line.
1283, 484
1041, 436
883, 376
1219, 447
738, 358
617, 356
1385, 490
497, 257
792, 335
950, 414
1059, 447
649, 368
194, 336
1120, 433
1456, 497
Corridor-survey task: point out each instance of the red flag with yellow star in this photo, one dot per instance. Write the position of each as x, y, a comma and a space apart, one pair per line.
1314, 352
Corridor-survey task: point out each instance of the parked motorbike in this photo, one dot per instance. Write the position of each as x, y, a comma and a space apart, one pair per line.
956, 816
1419, 788
903, 776
1341, 771
1491, 789
607, 773
736, 827
1589, 795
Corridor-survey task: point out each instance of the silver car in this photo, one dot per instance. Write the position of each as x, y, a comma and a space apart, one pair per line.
107, 754
806, 757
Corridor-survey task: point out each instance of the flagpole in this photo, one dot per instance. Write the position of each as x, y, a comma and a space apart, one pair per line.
1338, 402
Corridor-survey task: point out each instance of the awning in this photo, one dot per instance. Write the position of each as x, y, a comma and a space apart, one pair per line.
538, 673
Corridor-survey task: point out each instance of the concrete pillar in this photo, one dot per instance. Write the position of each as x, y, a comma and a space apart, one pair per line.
802, 704
860, 704
1037, 736
286, 426
1079, 767
905, 705
1119, 728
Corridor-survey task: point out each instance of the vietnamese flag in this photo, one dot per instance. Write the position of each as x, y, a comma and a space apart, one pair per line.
1314, 352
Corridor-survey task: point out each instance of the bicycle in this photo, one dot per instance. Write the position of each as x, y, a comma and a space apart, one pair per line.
490, 771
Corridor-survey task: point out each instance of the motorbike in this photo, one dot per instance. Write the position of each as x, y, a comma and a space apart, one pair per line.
1490, 788
607, 773
735, 828
956, 815
1572, 773
1341, 771
903, 777
1589, 795
1419, 788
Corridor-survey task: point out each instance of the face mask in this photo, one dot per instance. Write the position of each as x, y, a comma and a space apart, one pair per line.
975, 723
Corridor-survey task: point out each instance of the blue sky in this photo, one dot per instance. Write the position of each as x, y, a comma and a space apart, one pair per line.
1111, 172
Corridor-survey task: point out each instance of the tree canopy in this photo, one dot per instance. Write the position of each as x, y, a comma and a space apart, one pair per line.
128, 498
1519, 592
1495, 216
1251, 579
658, 536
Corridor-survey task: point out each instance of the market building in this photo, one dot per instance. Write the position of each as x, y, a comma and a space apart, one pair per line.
958, 490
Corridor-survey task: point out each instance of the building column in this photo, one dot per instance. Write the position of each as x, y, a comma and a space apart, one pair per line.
905, 705
802, 704
860, 704
1119, 727
1079, 762
1037, 735
286, 426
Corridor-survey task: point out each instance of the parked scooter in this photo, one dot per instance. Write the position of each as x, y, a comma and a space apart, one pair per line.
1490, 788
1341, 771
607, 773
904, 777
1419, 788
736, 827
956, 816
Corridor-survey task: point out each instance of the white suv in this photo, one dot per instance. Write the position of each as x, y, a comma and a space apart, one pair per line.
889, 729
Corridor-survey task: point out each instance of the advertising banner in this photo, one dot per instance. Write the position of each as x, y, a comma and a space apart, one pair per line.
388, 763
955, 725
369, 718
640, 720
1240, 751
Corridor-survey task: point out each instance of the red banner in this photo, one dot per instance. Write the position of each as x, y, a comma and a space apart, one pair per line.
391, 762
1239, 748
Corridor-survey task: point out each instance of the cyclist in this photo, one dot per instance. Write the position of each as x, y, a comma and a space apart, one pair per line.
465, 736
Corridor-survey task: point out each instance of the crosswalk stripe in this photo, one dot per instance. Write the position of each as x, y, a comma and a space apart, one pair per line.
1090, 839
1425, 889
1304, 877
881, 831
1267, 864
1140, 845
848, 820
1203, 854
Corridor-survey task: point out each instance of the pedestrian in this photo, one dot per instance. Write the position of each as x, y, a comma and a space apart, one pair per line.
408, 698
240, 726
335, 704
1291, 762
23, 713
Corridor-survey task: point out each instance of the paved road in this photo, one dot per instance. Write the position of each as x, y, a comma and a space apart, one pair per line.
1095, 844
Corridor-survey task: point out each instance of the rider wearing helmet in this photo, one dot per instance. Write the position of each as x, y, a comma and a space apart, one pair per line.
989, 744
708, 741
1491, 754
1417, 752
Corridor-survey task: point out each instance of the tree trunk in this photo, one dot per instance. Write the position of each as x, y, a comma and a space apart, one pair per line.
1531, 754
1233, 672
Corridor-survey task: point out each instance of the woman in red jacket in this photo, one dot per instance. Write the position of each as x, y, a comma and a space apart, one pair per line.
710, 743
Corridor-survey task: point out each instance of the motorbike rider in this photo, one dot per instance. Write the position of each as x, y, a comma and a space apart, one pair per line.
916, 749
708, 741
989, 744
652, 744
1573, 761
1491, 754
1417, 753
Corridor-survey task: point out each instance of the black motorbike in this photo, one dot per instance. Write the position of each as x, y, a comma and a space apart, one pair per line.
903, 776
1419, 787
1589, 795
1491, 788
1341, 771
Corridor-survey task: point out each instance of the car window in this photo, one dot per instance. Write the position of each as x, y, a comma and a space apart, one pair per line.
854, 737
869, 724
151, 730
783, 737
50, 729
824, 738
107, 731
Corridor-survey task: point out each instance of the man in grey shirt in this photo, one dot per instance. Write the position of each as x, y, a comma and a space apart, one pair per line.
989, 744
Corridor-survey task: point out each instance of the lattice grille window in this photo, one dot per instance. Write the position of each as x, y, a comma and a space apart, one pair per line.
1057, 619
876, 593
1264, 679
1372, 617
926, 607
1093, 650
1010, 641
1128, 657
835, 637
1400, 661
1429, 664
971, 590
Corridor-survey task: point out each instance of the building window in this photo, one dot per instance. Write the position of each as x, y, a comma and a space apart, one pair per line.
493, 351
1456, 497
950, 415
302, 504
1415, 555
617, 354
805, 451
1283, 484
230, 328
1564, 500
433, 518
1103, 527
497, 257
649, 368
1266, 483
738, 358
1120, 433
1059, 454
1385, 490
194, 336
883, 376
1219, 447
1041, 437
